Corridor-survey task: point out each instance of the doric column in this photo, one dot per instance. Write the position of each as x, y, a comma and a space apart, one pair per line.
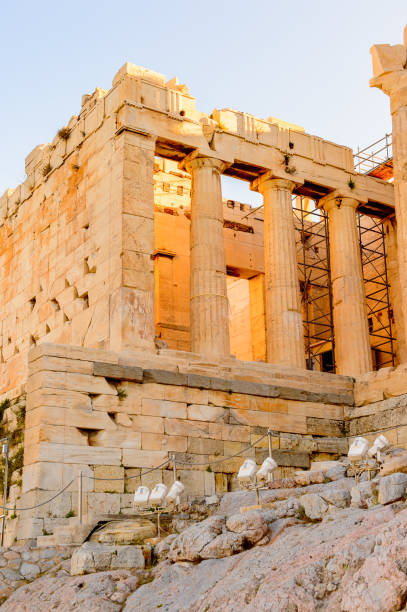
284, 326
208, 298
352, 346
390, 75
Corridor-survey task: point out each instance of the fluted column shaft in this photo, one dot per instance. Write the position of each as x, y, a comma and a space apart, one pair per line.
284, 326
209, 306
352, 345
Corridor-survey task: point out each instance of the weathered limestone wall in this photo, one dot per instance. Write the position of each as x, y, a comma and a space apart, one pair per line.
380, 406
112, 415
69, 257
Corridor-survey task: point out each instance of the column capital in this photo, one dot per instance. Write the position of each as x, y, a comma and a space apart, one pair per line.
341, 197
269, 180
389, 72
196, 159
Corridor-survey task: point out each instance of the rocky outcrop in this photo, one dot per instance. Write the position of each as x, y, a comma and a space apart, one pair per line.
331, 565
392, 488
324, 547
93, 557
313, 505
105, 591
133, 531
217, 537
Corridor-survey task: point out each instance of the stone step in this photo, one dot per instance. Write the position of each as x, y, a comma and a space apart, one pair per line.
76, 534
49, 540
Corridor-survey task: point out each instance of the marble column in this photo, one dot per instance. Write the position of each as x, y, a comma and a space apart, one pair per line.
390, 75
209, 306
284, 326
352, 345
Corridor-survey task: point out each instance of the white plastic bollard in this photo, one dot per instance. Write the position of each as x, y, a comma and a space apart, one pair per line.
267, 467
247, 471
158, 494
174, 493
141, 496
358, 449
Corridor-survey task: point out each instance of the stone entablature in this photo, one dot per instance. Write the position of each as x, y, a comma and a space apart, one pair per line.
142, 102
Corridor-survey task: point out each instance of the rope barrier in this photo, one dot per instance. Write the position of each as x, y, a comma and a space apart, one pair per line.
368, 433
166, 462
130, 477
292, 436
170, 459
42, 503
216, 461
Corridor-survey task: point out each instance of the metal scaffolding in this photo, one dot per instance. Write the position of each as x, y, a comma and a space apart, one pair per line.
312, 240
376, 159
375, 278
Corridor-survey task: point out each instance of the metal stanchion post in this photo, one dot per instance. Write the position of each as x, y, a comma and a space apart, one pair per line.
271, 476
80, 496
174, 468
5, 450
269, 437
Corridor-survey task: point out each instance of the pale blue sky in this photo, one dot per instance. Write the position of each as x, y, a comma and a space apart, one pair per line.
305, 61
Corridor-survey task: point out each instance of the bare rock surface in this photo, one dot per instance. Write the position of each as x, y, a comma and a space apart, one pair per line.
188, 545
350, 559
103, 591
314, 506
231, 502
125, 532
224, 545
92, 557
337, 497
307, 568
392, 488
251, 525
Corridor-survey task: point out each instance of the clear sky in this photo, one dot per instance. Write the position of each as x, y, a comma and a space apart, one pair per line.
304, 61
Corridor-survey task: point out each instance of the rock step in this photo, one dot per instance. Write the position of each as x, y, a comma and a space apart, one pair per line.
64, 535
52, 540
76, 533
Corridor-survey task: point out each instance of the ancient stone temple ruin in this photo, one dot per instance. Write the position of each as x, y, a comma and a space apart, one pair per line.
145, 319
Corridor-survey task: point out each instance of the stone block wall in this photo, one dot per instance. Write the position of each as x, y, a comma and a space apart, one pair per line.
380, 406
77, 240
59, 254
116, 415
